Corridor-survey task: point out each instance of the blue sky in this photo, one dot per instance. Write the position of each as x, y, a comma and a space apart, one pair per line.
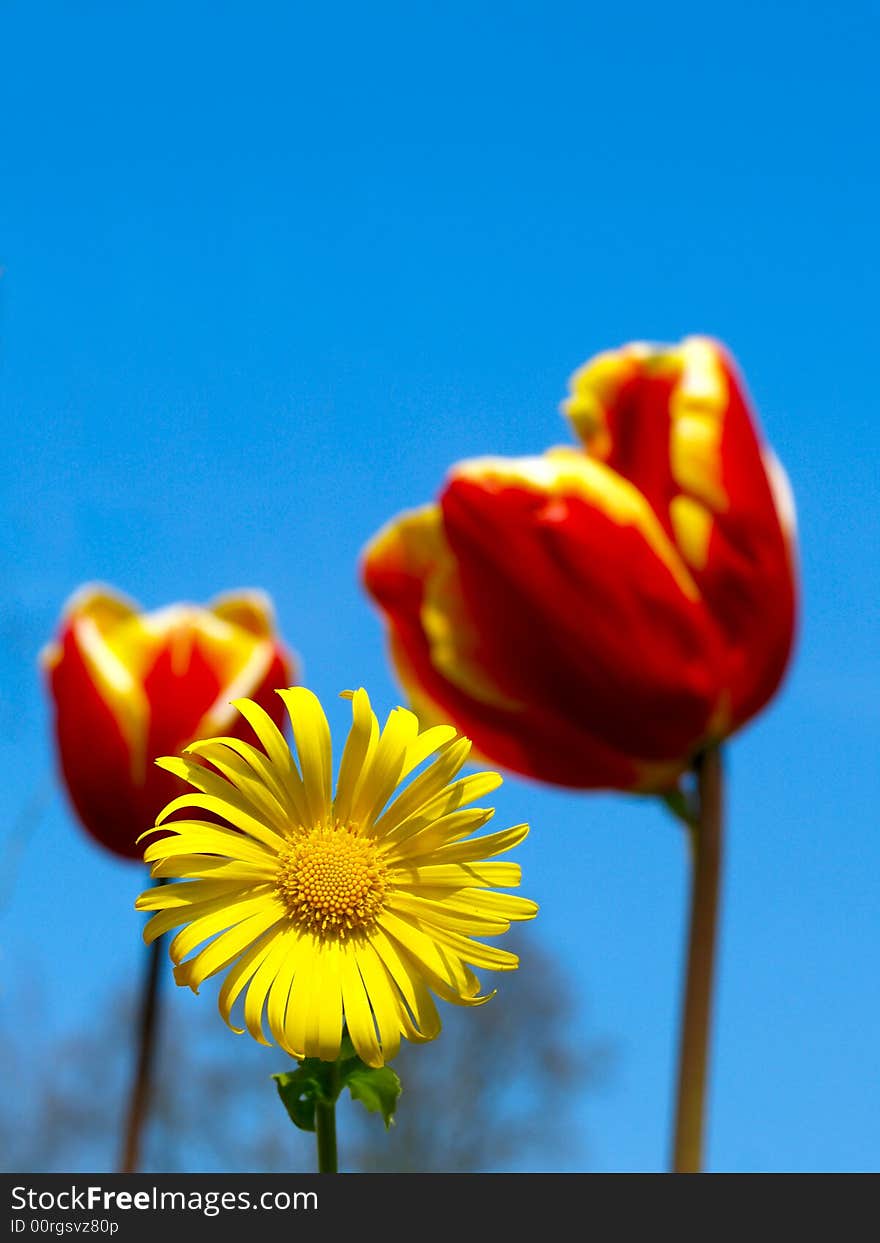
268, 272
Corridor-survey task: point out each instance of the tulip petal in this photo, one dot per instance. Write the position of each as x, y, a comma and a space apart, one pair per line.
396, 566
100, 727
249, 610
675, 420
631, 653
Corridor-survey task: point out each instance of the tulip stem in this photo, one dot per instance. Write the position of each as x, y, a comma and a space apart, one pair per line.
142, 1082
706, 838
325, 1128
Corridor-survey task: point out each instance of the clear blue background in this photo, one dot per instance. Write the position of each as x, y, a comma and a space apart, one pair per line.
268, 271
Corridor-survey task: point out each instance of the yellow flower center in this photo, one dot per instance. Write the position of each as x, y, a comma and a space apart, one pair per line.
332, 881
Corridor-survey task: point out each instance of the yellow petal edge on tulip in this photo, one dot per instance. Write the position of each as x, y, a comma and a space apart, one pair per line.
697, 406
96, 612
565, 472
415, 541
323, 907
118, 643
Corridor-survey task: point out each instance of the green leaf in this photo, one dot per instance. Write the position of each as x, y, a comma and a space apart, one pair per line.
377, 1090
681, 806
314, 1082
301, 1089
347, 1049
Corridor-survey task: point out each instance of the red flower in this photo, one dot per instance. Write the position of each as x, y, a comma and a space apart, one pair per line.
595, 616
129, 686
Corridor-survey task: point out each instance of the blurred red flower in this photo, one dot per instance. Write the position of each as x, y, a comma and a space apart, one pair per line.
595, 616
129, 686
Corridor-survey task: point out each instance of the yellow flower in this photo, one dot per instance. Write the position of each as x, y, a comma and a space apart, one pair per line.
325, 908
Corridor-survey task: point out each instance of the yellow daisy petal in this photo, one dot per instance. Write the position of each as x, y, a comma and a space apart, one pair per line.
198, 837
426, 786
279, 994
411, 986
463, 999
314, 1014
506, 905
444, 911
185, 894
386, 769
230, 808
437, 833
324, 1024
278, 754
224, 949
249, 770
427, 742
358, 1014
459, 876
447, 800
469, 951
175, 915
485, 847
362, 737
258, 989
467, 993
239, 975
326, 912
299, 1000
436, 965
383, 999
311, 734
207, 867
366, 765
218, 915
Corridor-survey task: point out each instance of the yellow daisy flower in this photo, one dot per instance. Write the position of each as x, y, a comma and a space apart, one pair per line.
328, 909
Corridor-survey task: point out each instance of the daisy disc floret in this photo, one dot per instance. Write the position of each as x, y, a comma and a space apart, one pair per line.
324, 909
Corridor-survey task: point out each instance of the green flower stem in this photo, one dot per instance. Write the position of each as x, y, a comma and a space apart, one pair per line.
141, 1085
325, 1128
706, 839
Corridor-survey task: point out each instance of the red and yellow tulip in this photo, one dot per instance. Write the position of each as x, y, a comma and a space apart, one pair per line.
129, 686
594, 616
